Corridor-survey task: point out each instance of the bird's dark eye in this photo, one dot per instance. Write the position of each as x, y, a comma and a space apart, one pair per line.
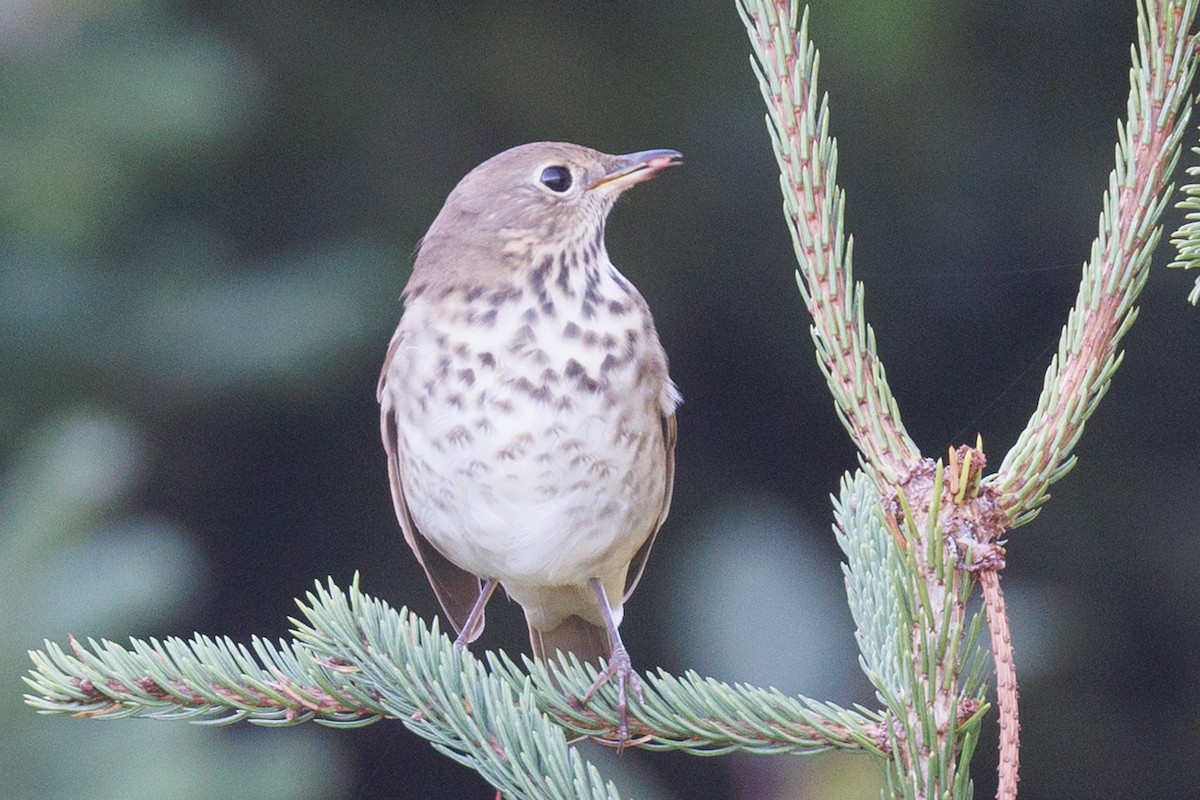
556, 178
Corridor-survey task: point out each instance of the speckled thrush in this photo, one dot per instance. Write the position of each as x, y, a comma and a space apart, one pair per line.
527, 414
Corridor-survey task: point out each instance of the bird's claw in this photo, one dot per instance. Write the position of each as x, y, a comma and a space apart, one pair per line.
620, 666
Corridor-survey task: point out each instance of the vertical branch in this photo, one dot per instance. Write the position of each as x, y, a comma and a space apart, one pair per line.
1147, 150
1006, 685
942, 520
939, 526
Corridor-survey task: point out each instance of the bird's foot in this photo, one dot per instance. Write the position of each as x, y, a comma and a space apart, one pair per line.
620, 666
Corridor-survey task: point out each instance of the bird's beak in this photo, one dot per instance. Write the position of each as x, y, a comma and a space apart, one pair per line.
637, 167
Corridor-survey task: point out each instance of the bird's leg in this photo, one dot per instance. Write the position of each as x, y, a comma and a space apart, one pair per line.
619, 666
485, 594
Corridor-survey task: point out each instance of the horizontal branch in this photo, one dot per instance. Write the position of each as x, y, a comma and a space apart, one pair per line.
355, 660
705, 716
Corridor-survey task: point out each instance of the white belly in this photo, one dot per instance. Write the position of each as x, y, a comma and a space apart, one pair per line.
530, 456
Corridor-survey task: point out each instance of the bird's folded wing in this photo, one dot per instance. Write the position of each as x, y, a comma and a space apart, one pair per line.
638, 565
456, 589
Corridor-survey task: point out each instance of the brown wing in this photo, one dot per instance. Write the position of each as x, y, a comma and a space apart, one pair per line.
456, 589
638, 565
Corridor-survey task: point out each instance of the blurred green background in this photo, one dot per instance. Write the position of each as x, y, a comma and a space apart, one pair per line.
207, 213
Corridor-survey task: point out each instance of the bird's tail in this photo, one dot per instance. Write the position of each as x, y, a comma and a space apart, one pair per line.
573, 635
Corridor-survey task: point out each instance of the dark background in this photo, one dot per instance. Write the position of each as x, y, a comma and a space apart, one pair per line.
208, 210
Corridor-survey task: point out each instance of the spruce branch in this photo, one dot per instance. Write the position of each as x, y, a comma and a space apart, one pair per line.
1008, 771
939, 525
1186, 238
928, 674
948, 520
701, 715
786, 63
354, 660
1148, 142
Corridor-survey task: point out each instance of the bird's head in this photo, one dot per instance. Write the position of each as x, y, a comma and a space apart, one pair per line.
532, 198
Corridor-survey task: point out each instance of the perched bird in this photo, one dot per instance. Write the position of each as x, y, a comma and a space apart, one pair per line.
527, 414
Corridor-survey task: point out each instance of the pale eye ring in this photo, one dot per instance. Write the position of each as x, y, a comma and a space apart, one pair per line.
556, 178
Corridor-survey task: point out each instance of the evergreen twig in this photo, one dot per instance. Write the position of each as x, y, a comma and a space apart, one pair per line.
1186, 238
970, 520
1148, 143
355, 660
1008, 771
928, 680
786, 63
